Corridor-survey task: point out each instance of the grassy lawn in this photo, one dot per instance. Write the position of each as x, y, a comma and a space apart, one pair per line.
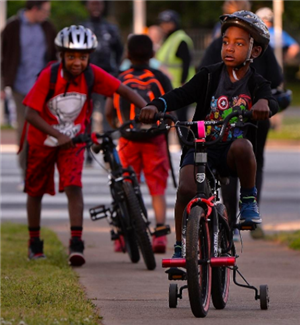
291, 239
40, 292
290, 129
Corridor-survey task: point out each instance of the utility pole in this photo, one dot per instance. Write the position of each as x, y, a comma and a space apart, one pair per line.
2, 25
139, 16
278, 11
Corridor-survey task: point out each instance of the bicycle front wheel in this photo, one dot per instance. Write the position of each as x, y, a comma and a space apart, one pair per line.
198, 270
221, 275
140, 226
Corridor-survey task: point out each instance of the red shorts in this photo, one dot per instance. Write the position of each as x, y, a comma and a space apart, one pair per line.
41, 161
151, 157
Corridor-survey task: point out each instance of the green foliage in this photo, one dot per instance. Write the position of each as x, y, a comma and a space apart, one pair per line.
40, 292
194, 14
292, 239
63, 13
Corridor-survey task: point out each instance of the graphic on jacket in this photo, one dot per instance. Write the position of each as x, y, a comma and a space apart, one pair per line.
219, 109
65, 108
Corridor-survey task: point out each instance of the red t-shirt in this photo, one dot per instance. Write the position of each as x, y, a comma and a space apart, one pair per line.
67, 109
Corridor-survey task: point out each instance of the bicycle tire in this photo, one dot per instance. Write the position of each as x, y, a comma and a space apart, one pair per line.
198, 275
128, 231
140, 226
221, 275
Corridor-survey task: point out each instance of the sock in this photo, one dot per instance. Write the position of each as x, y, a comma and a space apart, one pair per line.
178, 243
34, 232
247, 194
76, 232
159, 225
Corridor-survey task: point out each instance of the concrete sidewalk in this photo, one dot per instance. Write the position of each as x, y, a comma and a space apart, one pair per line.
128, 294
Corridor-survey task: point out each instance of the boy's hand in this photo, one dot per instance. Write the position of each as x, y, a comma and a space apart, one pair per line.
260, 110
64, 141
147, 114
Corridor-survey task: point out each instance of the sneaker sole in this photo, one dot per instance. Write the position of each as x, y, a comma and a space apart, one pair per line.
76, 259
37, 257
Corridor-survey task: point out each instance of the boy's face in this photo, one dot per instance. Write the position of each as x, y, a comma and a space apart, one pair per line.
236, 42
76, 62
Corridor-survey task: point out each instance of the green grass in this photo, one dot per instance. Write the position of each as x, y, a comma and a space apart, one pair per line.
43, 291
291, 239
294, 86
290, 129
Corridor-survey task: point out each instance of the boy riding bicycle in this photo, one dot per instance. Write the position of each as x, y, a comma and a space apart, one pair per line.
215, 89
52, 124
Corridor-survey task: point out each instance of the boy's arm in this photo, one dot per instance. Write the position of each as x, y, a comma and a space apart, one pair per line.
131, 96
109, 112
33, 117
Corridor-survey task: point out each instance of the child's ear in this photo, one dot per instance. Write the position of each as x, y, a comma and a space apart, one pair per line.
256, 51
152, 56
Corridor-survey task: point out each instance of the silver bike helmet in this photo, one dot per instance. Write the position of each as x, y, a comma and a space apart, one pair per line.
251, 23
76, 38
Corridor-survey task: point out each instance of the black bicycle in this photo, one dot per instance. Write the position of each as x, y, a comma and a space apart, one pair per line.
127, 213
208, 251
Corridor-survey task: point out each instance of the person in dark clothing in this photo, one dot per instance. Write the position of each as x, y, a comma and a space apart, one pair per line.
175, 53
27, 45
108, 56
245, 37
268, 67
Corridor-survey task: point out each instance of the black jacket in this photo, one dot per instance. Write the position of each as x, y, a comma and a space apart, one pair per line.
202, 87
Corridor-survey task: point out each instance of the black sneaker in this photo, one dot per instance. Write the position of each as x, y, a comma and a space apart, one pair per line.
35, 249
76, 248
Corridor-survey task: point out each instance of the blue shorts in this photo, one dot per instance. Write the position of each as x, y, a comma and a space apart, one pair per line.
216, 157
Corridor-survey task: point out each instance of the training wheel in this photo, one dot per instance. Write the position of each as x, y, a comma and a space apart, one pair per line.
264, 297
173, 295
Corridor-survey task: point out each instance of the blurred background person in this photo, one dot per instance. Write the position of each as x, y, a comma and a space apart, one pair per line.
107, 56
27, 45
267, 66
290, 46
229, 7
175, 54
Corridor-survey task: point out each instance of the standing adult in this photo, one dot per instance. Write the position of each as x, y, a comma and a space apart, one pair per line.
175, 53
290, 46
267, 66
27, 44
107, 55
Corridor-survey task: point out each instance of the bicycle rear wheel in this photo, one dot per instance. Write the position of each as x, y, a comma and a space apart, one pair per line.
198, 270
140, 226
221, 275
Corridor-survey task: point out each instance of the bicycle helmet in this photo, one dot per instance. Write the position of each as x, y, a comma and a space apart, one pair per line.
169, 16
76, 38
251, 23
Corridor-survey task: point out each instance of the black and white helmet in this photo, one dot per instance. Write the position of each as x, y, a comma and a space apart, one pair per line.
251, 23
76, 38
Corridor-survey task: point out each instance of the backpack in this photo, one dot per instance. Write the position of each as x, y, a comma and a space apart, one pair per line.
148, 87
89, 78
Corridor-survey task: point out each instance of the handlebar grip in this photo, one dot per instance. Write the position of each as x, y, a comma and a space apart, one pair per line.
81, 138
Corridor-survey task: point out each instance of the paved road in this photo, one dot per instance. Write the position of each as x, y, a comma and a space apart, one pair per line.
128, 294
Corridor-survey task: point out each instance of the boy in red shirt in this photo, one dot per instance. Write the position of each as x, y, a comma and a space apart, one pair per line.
53, 124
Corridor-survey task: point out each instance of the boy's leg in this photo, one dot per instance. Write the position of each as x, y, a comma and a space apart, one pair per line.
70, 165
38, 181
186, 191
241, 159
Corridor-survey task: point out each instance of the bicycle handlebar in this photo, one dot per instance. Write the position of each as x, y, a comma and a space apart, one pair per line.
241, 114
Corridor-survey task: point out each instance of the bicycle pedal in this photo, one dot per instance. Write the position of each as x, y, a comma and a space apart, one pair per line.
114, 235
161, 231
99, 212
176, 274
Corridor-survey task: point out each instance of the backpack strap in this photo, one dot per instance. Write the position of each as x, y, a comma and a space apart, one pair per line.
53, 79
89, 79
